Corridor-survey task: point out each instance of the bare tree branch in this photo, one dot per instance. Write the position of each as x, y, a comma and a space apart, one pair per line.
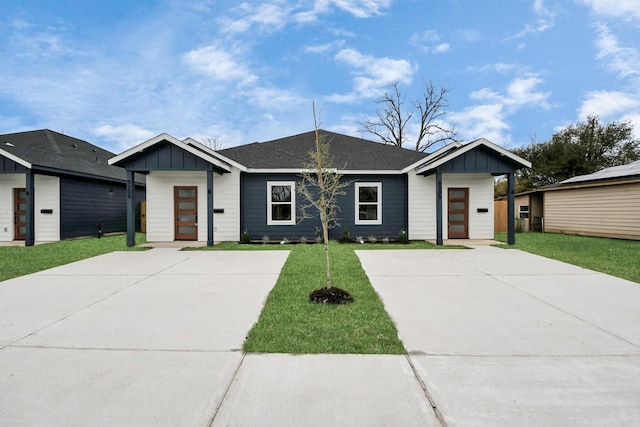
390, 126
214, 143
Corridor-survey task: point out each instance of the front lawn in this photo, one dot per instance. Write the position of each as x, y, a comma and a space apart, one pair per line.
619, 258
20, 260
290, 324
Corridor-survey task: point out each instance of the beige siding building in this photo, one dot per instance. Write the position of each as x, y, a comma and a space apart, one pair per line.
604, 204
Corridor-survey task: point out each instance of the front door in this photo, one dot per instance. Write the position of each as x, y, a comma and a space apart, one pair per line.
19, 213
186, 212
458, 213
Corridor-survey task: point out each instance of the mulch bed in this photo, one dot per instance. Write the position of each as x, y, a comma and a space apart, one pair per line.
330, 296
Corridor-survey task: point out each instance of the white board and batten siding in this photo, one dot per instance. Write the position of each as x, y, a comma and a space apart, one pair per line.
603, 211
422, 204
160, 204
47, 196
47, 192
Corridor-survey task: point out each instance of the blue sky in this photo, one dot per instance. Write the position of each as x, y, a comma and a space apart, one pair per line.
116, 73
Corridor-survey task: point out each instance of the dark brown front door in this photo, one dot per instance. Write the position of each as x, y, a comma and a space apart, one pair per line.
19, 213
458, 213
186, 213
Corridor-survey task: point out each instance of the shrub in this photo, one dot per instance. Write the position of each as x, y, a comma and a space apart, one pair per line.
385, 240
346, 236
265, 239
303, 239
402, 237
360, 239
245, 237
372, 239
319, 239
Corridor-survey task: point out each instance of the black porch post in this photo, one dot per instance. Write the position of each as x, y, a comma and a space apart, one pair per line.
511, 232
439, 240
131, 211
30, 237
209, 207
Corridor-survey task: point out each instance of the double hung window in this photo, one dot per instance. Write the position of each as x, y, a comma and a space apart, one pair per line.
281, 203
368, 203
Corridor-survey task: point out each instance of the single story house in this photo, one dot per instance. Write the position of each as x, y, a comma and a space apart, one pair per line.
604, 204
54, 187
194, 193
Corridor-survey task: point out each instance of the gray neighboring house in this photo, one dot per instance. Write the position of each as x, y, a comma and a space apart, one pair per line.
55, 187
194, 193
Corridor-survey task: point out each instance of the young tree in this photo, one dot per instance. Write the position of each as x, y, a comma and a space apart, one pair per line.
390, 127
321, 185
579, 149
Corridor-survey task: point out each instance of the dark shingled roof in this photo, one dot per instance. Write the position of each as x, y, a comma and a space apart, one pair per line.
46, 149
347, 152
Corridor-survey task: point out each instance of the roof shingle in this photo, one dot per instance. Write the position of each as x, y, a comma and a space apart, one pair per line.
347, 152
52, 150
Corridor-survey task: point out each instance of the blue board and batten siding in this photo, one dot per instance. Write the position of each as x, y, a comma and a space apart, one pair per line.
253, 208
86, 203
9, 166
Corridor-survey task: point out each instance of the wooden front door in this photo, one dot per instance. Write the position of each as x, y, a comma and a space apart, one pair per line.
19, 213
458, 213
186, 212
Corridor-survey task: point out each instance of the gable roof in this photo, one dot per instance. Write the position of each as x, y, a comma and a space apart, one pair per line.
505, 157
347, 152
46, 150
137, 156
613, 173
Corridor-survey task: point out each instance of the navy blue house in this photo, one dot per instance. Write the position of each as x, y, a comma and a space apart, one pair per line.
55, 187
195, 193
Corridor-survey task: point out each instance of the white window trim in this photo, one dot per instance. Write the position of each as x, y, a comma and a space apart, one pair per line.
359, 221
270, 220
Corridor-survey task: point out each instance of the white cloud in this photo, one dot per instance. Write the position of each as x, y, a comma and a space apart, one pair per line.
323, 48
429, 41
276, 15
608, 104
125, 136
543, 22
625, 9
623, 60
373, 74
219, 63
482, 121
488, 119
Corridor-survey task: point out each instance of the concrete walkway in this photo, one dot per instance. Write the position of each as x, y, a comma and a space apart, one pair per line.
496, 337
503, 338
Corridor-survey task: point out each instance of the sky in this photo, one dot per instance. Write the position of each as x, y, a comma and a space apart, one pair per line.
116, 73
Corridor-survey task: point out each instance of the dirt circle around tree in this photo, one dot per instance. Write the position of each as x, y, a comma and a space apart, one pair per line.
330, 296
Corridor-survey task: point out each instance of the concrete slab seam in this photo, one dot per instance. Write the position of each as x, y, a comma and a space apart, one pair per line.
567, 313
212, 419
89, 305
123, 349
430, 399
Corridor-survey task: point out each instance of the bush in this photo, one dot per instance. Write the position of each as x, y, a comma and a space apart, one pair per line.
346, 236
245, 237
402, 237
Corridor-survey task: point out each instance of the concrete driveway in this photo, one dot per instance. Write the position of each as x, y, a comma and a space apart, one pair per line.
129, 338
503, 338
496, 337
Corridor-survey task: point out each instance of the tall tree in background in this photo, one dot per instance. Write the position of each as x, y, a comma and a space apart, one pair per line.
579, 149
214, 143
321, 185
393, 117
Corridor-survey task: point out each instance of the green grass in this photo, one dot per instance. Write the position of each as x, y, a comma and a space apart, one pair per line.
289, 323
20, 260
619, 258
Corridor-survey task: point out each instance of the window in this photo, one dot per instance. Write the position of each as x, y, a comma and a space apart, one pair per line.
368, 203
524, 212
281, 203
